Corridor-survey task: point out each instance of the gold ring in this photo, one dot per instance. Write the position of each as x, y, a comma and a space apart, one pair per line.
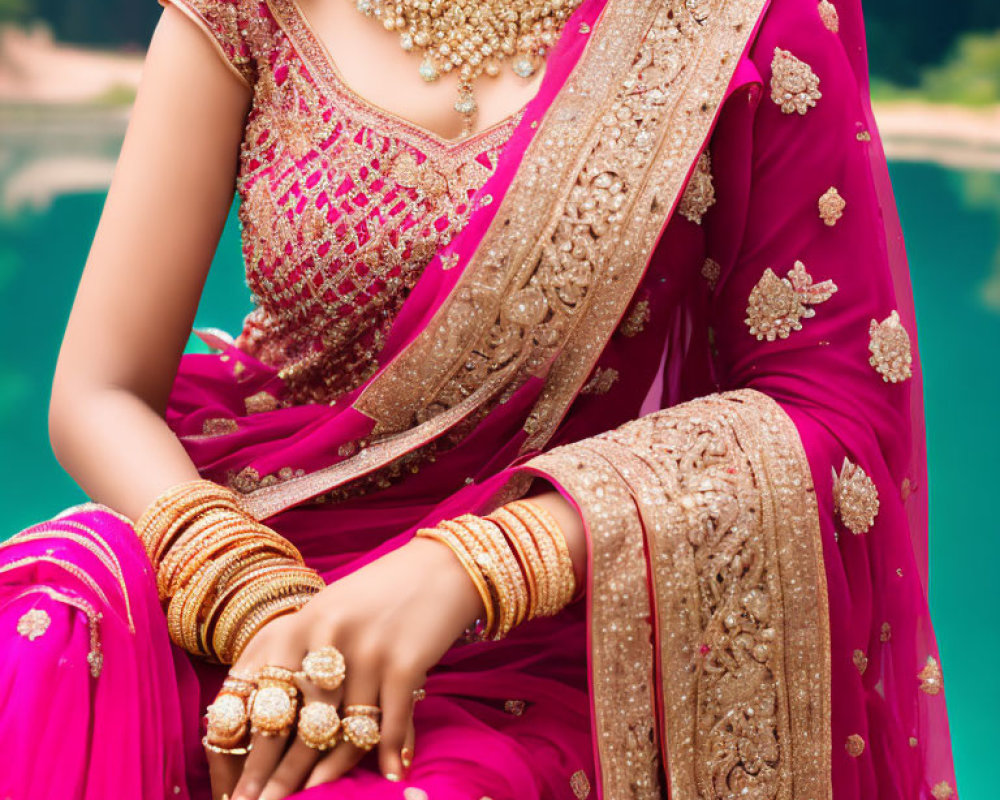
226, 751
362, 731
272, 711
273, 675
227, 720
318, 726
363, 711
325, 667
239, 685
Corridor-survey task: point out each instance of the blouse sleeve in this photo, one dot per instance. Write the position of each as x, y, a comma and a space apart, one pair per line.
223, 21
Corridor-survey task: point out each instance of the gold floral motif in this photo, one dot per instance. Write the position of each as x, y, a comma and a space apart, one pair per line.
855, 745
219, 426
34, 623
580, 784
711, 271
855, 497
514, 707
828, 13
794, 86
635, 321
889, 344
777, 305
860, 661
930, 677
604, 378
913, 741
943, 791
885, 633
249, 480
831, 206
260, 402
699, 196
864, 136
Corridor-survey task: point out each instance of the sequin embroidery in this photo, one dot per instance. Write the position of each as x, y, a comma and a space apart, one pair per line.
855, 497
930, 677
34, 623
828, 13
778, 305
699, 196
831, 206
794, 86
890, 348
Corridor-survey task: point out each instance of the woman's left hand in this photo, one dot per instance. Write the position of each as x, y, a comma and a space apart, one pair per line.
393, 620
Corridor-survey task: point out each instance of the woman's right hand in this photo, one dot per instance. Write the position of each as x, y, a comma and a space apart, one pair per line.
393, 620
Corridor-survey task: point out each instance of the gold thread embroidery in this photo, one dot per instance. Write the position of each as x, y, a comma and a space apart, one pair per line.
514, 707
219, 426
930, 677
943, 791
777, 305
889, 344
699, 196
913, 741
635, 321
885, 633
794, 86
730, 466
855, 497
604, 378
711, 271
828, 13
860, 661
34, 623
261, 402
831, 207
855, 745
580, 784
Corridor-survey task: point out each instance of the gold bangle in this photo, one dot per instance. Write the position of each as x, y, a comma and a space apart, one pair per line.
453, 543
565, 582
531, 561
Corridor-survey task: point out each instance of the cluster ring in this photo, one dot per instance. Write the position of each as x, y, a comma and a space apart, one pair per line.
227, 720
325, 667
318, 725
361, 730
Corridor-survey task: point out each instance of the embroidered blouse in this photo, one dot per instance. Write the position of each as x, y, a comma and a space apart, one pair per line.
342, 204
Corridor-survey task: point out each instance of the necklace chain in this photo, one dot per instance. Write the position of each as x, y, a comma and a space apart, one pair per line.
473, 37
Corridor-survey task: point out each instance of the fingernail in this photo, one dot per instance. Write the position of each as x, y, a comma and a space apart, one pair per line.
392, 776
406, 756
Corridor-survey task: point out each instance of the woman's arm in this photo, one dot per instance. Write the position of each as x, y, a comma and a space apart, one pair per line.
168, 201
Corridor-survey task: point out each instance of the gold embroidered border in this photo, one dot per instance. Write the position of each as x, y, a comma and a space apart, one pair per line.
726, 504
622, 663
572, 236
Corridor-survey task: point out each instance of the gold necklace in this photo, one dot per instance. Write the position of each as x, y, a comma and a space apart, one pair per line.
473, 37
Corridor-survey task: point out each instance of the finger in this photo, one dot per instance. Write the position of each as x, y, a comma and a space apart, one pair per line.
360, 688
223, 772
300, 758
396, 697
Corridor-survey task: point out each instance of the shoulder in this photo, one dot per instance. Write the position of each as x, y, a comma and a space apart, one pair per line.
227, 23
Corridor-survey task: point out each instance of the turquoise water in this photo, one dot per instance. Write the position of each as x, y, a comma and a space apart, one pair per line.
952, 222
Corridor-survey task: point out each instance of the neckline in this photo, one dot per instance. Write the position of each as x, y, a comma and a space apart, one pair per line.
313, 50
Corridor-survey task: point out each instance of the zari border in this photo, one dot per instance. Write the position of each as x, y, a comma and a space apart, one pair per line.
716, 497
619, 139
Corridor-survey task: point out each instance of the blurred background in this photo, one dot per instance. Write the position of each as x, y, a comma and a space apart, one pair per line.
68, 73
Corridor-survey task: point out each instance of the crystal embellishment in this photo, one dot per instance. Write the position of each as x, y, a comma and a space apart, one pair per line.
930, 677
34, 623
855, 497
831, 206
523, 67
889, 344
699, 196
828, 13
777, 306
794, 85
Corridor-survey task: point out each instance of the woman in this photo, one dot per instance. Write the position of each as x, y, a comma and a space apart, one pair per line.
651, 280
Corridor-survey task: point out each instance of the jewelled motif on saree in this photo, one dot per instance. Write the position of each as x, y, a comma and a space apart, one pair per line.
699, 196
711, 271
602, 381
855, 745
831, 207
34, 623
855, 497
889, 344
930, 677
635, 320
580, 784
794, 86
828, 13
943, 791
777, 306
860, 661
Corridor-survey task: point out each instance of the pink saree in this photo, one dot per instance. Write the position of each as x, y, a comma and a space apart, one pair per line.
679, 295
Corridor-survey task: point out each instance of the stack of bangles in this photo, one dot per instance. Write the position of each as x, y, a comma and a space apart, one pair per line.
221, 574
517, 558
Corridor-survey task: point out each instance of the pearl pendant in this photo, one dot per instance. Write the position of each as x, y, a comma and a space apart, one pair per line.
523, 66
428, 71
466, 104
